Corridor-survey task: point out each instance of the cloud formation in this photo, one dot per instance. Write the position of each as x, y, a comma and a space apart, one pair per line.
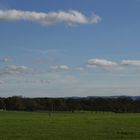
101, 63
69, 17
111, 65
59, 67
79, 68
13, 69
6, 59
131, 62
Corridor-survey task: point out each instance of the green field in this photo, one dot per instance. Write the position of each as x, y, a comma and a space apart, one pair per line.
69, 126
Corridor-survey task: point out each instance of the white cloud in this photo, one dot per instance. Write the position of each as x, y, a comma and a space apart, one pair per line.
101, 63
57, 84
111, 65
59, 67
69, 17
64, 67
13, 69
95, 19
91, 66
6, 59
131, 62
54, 67
79, 68
17, 69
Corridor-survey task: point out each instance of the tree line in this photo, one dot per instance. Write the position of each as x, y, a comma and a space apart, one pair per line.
117, 105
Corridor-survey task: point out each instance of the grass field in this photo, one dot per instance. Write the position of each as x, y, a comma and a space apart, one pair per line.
69, 126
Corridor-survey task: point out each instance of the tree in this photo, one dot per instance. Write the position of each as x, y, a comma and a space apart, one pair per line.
2, 104
14, 103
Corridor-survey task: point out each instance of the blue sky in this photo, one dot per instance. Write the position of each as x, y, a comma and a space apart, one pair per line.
69, 48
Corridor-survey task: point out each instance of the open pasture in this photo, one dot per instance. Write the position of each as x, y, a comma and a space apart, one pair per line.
69, 126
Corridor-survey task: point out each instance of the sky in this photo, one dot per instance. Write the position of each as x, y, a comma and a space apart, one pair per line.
69, 48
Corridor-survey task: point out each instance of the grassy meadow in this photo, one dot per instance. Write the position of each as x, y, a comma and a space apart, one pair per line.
69, 126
